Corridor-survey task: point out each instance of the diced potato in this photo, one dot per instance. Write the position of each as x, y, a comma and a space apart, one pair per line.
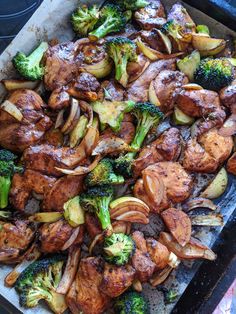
218, 186
19, 84
152, 95
46, 217
207, 46
181, 118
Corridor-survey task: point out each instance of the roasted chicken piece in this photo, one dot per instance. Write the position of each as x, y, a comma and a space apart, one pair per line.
85, 87
203, 104
24, 184
152, 16
61, 65
156, 187
179, 225
53, 236
166, 147
138, 90
179, 15
18, 135
84, 294
158, 253
140, 241
92, 225
112, 90
116, 279
208, 153
59, 99
167, 86
228, 96
136, 68
15, 237
61, 191
231, 164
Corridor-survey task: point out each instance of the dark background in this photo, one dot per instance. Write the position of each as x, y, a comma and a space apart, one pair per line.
218, 276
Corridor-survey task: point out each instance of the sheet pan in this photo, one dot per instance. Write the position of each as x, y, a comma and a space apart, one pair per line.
52, 20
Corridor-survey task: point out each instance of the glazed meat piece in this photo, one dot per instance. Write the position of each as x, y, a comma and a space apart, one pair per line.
207, 154
116, 279
179, 14
158, 253
231, 164
85, 87
127, 132
84, 295
24, 184
152, 16
59, 99
92, 225
143, 265
140, 241
136, 68
167, 86
61, 65
202, 104
115, 91
18, 135
228, 96
15, 237
166, 147
61, 191
53, 236
138, 90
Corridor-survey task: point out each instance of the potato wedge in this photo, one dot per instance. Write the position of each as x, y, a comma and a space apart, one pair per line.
179, 225
19, 84
46, 217
181, 118
161, 276
207, 46
152, 95
218, 186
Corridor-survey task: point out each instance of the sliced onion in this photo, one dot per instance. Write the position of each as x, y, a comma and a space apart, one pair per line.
229, 127
60, 119
207, 220
48, 217
19, 84
80, 170
72, 239
88, 109
69, 272
160, 277
74, 114
110, 145
99, 238
192, 86
137, 285
199, 202
11, 108
166, 41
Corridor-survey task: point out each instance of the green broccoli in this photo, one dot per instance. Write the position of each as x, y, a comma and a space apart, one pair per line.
131, 4
177, 33
30, 67
84, 19
131, 302
7, 170
118, 248
103, 174
97, 199
111, 20
148, 115
214, 74
39, 281
121, 50
112, 112
202, 29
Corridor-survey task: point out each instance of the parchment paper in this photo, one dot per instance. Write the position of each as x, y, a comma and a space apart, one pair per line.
52, 20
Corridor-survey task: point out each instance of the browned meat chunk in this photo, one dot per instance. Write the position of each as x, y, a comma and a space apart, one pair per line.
18, 135
116, 279
158, 253
143, 265
231, 164
92, 225
61, 65
228, 96
166, 147
140, 241
136, 68
23, 185
84, 294
207, 154
138, 90
61, 191
179, 14
167, 86
152, 16
202, 104
114, 90
59, 99
53, 236
15, 238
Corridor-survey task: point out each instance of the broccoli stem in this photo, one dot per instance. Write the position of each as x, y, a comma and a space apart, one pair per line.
142, 130
104, 215
37, 54
5, 184
121, 73
101, 31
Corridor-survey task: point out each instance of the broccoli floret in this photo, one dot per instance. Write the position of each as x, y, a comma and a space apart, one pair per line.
39, 281
118, 248
130, 4
30, 67
176, 32
148, 115
111, 20
97, 200
7, 170
131, 303
112, 112
214, 74
121, 50
84, 19
103, 174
